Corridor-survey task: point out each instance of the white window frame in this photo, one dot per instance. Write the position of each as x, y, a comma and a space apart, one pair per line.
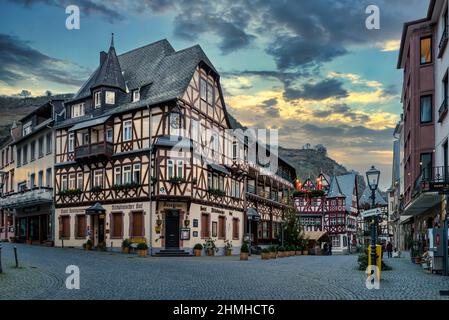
80, 180
109, 97
98, 178
137, 169
71, 142
97, 98
194, 133
118, 175
27, 128
128, 130
78, 110
64, 182
72, 181
180, 169
235, 150
136, 95
170, 169
127, 174
109, 135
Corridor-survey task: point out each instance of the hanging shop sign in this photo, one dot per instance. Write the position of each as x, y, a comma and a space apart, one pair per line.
185, 234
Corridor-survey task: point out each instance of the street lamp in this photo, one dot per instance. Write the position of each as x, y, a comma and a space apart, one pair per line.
372, 176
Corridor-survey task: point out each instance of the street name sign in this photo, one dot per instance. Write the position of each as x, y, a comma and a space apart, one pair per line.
371, 213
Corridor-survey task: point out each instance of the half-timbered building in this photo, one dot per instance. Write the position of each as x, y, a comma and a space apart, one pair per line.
144, 153
331, 207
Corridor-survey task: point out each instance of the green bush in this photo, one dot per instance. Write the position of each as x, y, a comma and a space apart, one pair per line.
281, 249
198, 246
125, 243
273, 249
265, 250
362, 260
244, 248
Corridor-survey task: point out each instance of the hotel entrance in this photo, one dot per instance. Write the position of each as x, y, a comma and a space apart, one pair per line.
97, 221
172, 228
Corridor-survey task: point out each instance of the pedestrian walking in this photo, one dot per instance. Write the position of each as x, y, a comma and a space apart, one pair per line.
326, 248
389, 250
330, 248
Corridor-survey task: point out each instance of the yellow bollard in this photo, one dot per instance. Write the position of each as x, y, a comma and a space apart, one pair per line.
378, 259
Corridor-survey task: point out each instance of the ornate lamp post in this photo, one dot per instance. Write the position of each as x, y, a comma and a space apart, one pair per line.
372, 176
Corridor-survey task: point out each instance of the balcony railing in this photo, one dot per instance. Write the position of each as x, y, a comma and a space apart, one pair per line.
430, 176
442, 111
104, 148
28, 197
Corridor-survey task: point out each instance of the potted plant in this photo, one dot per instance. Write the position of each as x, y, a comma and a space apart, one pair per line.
210, 247
125, 246
142, 249
101, 246
88, 245
228, 248
281, 252
244, 250
197, 249
298, 250
265, 254
273, 252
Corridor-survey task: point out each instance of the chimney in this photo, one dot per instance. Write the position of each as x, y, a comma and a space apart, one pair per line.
103, 56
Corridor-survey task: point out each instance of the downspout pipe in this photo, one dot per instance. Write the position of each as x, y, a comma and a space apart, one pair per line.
150, 185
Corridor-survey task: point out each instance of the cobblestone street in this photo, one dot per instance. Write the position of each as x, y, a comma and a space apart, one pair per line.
106, 275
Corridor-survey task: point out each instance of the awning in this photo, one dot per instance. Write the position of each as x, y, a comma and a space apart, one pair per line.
406, 219
173, 141
422, 203
219, 168
96, 209
252, 214
89, 123
314, 235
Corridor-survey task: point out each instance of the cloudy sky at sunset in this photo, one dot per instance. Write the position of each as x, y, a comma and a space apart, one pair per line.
308, 68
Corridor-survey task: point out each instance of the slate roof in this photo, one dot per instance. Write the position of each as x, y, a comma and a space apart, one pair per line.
162, 73
110, 72
366, 198
344, 186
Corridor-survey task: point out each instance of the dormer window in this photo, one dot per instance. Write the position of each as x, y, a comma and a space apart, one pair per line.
136, 95
97, 98
27, 128
110, 97
78, 110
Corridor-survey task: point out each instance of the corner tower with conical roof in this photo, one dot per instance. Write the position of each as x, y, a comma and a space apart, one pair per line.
109, 84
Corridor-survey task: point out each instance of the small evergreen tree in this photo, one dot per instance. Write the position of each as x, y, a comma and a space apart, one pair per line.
292, 224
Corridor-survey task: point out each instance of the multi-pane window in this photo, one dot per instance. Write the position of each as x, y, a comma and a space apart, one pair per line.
78, 110
80, 180
136, 173
136, 95
19, 157
33, 151
48, 178
32, 180
40, 179
25, 154
98, 178
180, 168
109, 135
170, 172
221, 183
71, 142
335, 241
214, 144
118, 175
426, 109
175, 120
64, 185
72, 181
426, 50
127, 130
110, 97
49, 143
41, 147
195, 130
27, 128
126, 174
97, 98
207, 91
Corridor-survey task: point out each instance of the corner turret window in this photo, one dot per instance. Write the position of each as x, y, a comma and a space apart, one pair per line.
136, 95
110, 97
97, 98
